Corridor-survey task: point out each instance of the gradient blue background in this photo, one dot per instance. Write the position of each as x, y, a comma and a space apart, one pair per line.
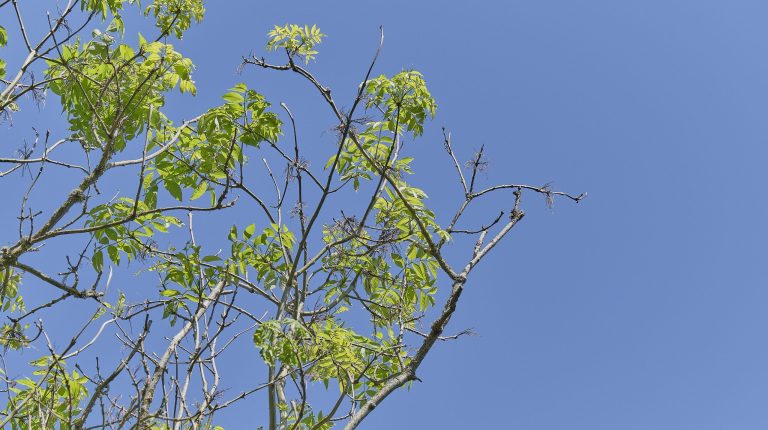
643, 307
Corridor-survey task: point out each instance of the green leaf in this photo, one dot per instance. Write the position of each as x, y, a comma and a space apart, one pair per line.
398, 260
173, 188
99, 313
117, 25
98, 261
169, 293
199, 190
234, 98
248, 232
114, 254
187, 86
3, 37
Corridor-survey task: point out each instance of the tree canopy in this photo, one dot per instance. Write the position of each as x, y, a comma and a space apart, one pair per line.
340, 280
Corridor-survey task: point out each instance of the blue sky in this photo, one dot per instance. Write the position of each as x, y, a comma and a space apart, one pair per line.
644, 306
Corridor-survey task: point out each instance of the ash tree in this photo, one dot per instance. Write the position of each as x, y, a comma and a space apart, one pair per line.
336, 290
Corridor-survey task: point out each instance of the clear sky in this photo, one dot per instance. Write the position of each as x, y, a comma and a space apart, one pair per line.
643, 307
